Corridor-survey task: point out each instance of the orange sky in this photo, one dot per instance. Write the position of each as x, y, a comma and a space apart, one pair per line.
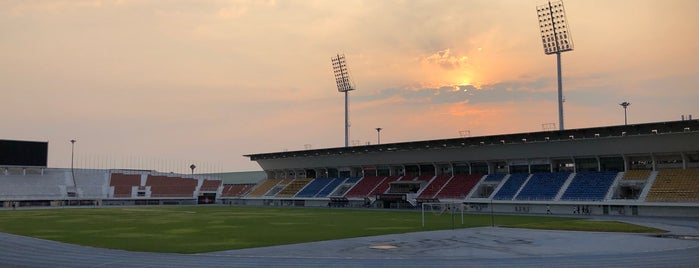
174, 82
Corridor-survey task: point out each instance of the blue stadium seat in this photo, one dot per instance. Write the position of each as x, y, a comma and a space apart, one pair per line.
314, 187
589, 186
331, 187
509, 189
543, 186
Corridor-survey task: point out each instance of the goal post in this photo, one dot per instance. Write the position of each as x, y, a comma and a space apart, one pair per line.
441, 208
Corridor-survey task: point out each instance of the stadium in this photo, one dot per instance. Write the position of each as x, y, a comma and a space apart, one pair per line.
636, 170
628, 173
130, 73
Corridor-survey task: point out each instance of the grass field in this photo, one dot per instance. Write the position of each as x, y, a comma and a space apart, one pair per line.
195, 229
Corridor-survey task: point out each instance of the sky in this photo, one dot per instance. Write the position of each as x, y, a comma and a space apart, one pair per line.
161, 84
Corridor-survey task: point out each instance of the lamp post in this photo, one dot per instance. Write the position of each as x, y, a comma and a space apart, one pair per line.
378, 135
72, 166
192, 167
625, 105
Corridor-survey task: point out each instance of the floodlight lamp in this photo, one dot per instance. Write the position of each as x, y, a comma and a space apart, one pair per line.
553, 23
342, 77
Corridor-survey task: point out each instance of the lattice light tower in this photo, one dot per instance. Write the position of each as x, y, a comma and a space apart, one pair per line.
556, 39
344, 84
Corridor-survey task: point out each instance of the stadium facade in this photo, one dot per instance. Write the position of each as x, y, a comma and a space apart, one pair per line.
644, 169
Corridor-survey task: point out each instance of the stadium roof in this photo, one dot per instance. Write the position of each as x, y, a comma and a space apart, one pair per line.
542, 136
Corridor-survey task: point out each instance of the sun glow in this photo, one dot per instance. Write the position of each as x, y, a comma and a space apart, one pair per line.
464, 81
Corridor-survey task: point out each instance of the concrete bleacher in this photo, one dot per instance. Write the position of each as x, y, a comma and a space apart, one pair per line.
50, 185
92, 184
459, 186
543, 186
510, 187
675, 185
589, 186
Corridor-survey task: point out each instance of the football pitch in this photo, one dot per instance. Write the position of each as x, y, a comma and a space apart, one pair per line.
197, 229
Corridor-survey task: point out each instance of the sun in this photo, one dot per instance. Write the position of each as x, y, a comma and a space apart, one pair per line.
464, 81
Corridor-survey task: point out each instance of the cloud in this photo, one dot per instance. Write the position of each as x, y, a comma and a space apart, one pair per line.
491, 93
446, 60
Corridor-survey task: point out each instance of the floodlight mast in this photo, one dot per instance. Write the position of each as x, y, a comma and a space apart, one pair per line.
344, 84
625, 105
556, 39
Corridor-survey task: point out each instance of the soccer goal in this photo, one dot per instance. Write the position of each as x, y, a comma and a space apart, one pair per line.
441, 208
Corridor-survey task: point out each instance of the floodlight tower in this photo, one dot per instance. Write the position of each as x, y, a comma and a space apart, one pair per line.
344, 84
625, 105
556, 38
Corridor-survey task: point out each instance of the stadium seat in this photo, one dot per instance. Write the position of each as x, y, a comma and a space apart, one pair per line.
263, 187
543, 186
639, 175
332, 185
459, 186
210, 185
433, 187
364, 187
511, 186
383, 186
236, 190
675, 185
124, 183
589, 186
293, 187
164, 186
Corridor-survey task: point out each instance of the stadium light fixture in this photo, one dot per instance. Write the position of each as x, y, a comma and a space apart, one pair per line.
555, 36
625, 105
378, 135
344, 84
192, 167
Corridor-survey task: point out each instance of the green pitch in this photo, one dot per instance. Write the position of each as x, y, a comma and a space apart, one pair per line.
195, 229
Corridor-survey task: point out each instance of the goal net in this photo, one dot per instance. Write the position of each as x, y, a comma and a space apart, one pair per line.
452, 209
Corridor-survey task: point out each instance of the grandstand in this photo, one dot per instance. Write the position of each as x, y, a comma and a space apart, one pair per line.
645, 169
609, 170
